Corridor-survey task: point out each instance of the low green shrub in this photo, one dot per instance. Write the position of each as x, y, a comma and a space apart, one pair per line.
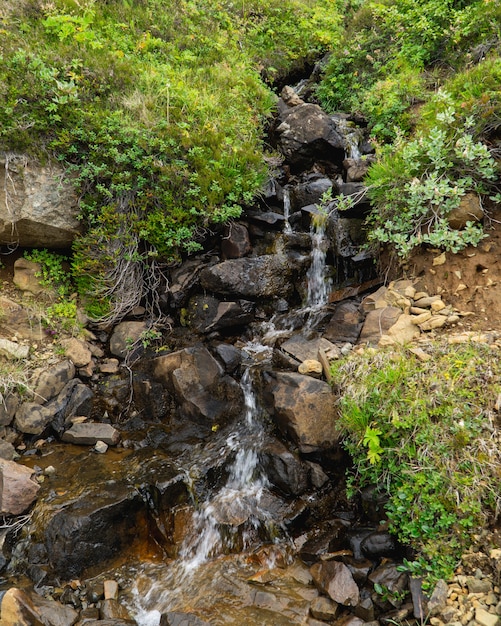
422, 434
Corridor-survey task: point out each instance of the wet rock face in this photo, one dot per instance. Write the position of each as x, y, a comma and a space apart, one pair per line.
206, 314
265, 276
92, 530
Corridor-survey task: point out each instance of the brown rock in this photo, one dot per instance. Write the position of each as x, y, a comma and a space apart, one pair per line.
77, 351
335, 579
17, 489
469, 210
304, 409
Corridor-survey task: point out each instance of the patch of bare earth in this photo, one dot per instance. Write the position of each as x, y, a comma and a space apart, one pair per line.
470, 280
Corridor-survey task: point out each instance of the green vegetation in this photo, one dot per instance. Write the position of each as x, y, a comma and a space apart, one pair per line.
423, 434
395, 53
427, 76
157, 115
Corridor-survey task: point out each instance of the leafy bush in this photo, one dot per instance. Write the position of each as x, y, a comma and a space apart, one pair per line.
393, 51
158, 116
417, 183
421, 432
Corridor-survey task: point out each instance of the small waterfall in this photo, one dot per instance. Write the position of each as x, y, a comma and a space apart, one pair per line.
215, 526
319, 284
238, 502
352, 137
287, 211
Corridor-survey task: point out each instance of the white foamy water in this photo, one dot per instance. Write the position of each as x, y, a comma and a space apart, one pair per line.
319, 284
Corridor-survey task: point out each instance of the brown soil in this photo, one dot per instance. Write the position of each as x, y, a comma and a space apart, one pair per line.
470, 280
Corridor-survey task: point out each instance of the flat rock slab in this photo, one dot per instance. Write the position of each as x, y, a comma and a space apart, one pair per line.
89, 433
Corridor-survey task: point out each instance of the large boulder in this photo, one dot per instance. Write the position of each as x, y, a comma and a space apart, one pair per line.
198, 382
206, 314
307, 134
266, 276
304, 409
38, 207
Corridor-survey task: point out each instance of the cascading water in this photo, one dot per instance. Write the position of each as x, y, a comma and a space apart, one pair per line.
287, 211
239, 500
218, 523
319, 283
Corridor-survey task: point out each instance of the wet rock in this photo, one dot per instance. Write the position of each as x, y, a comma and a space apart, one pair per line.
359, 568
309, 192
112, 609
113, 394
204, 392
206, 314
270, 218
77, 351
32, 419
304, 409
48, 383
267, 276
377, 323
356, 169
125, 339
90, 530
388, 576
365, 608
25, 608
346, 234
89, 433
307, 134
13, 350
418, 598
183, 280
330, 538
345, 324
236, 241
284, 470
335, 579
74, 399
17, 489
150, 398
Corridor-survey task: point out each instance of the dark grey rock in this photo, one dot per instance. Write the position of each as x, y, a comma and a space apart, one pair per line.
307, 134
267, 276
32, 419
345, 324
236, 241
51, 381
